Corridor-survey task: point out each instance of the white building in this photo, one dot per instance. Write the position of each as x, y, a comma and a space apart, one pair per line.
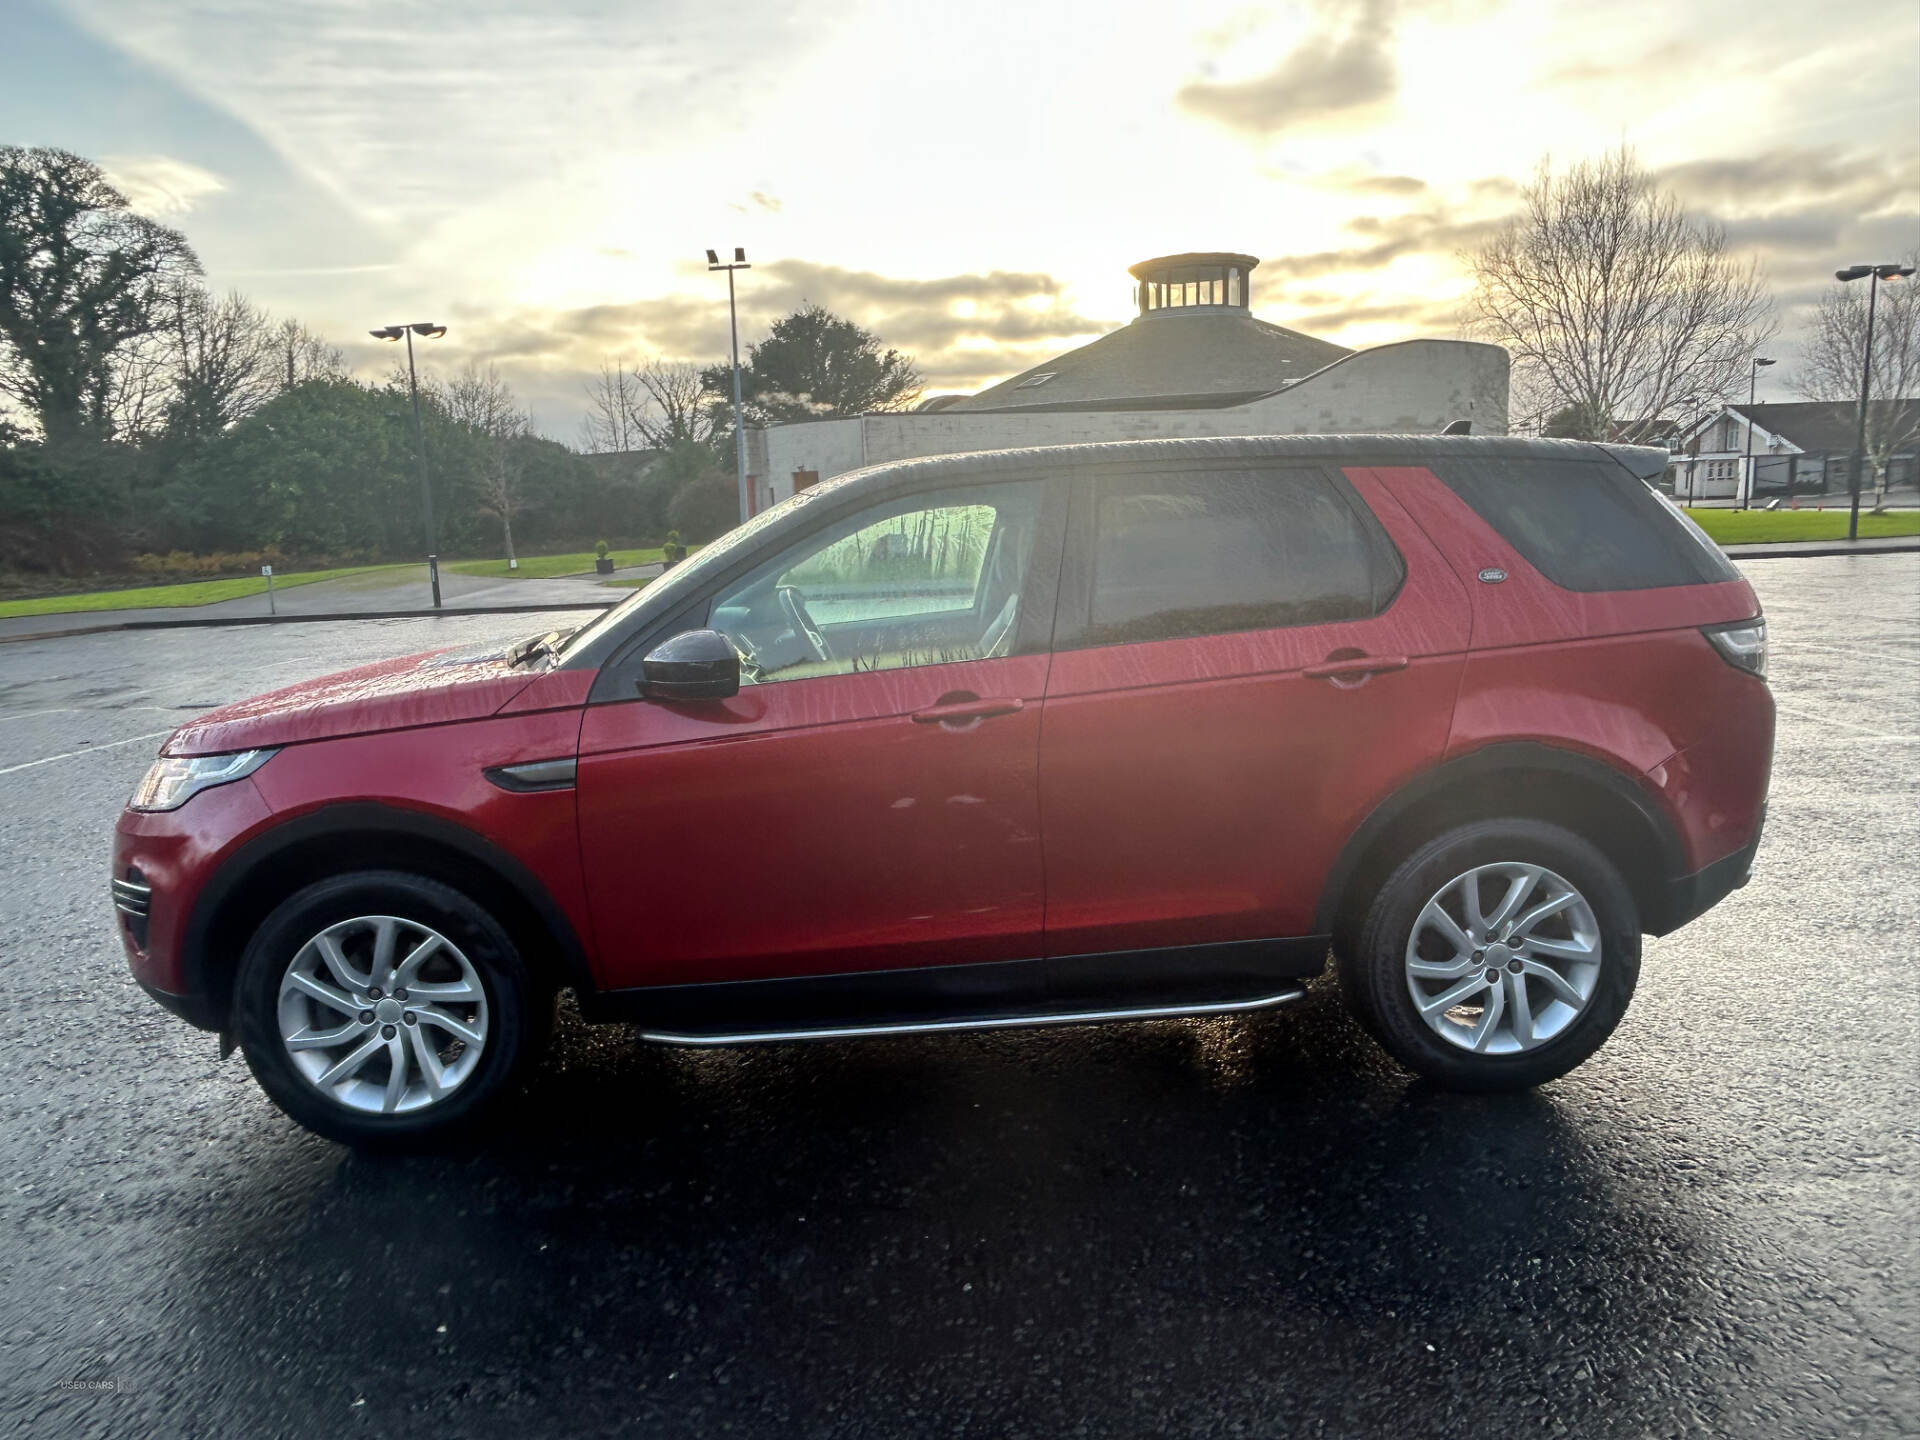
1193, 361
1744, 452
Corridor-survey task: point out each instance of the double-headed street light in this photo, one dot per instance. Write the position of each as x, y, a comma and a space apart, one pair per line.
1746, 461
733, 326
432, 332
1888, 270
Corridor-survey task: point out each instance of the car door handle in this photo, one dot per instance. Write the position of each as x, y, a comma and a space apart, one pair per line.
1356, 668
947, 711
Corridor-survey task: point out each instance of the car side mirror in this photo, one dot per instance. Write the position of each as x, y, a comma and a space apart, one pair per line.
693, 665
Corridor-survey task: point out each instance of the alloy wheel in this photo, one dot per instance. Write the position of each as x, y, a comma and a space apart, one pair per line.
383, 1015
1503, 958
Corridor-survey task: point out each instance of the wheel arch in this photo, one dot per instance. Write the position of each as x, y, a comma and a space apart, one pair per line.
1589, 796
342, 838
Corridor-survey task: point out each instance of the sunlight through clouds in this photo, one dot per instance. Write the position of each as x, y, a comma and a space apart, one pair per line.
159, 185
972, 182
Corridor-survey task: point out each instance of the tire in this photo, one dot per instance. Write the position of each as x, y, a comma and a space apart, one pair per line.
1406, 957
480, 1023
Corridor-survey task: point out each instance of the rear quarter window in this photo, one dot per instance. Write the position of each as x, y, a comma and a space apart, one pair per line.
1587, 525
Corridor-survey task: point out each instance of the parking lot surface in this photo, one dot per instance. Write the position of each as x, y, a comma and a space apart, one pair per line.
1246, 1227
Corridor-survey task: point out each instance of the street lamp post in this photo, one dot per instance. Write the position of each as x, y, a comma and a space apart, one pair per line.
1692, 442
1746, 460
733, 327
432, 332
1892, 270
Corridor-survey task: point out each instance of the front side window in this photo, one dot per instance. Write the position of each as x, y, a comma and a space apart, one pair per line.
919, 580
1207, 552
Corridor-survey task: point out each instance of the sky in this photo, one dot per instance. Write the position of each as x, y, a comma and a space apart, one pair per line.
968, 181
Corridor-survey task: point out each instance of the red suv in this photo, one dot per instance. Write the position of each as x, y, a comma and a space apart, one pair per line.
1100, 732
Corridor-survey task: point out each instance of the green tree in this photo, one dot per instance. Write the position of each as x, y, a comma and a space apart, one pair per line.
324, 469
814, 365
82, 278
1572, 422
703, 503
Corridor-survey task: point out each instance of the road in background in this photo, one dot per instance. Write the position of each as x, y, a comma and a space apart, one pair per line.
1237, 1227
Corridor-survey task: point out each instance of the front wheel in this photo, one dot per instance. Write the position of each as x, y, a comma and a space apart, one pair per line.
382, 1008
1497, 956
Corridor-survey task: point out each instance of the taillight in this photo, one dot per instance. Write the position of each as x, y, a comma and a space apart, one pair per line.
1742, 644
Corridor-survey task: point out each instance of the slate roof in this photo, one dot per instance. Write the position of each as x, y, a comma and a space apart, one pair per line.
1176, 359
1816, 426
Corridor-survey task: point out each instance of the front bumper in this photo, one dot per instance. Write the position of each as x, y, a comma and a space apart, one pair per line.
161, 862
196, 1010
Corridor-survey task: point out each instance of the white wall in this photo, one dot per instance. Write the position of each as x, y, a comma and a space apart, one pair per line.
1416, 387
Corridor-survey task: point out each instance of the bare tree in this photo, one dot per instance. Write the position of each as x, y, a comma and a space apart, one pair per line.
303, 356
140, 388
677, 411
646, 407
221, 360
479, 399
1614, 300
614, 401
1831, 364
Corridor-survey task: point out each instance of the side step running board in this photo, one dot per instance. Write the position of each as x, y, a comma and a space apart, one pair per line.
999, 1022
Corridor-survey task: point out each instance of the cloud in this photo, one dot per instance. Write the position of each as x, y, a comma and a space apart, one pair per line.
1415, 317
1611, 69
1789, 176
958, 328
1341, 67
410, 110
1436, 232
159, 185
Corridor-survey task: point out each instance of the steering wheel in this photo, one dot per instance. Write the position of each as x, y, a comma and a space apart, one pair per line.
796, 607
750, 665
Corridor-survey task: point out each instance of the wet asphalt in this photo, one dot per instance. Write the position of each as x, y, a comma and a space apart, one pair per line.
1248, 1227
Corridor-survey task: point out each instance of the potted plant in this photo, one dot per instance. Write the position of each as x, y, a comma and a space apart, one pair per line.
673, 552
602, 561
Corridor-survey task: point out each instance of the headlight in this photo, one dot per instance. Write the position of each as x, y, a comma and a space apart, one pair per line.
172, 782
1742, 644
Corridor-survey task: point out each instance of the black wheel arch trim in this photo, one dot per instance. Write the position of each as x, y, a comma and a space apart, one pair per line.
197, 961
1508, 756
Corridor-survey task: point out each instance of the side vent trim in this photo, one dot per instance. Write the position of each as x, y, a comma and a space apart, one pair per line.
531, 775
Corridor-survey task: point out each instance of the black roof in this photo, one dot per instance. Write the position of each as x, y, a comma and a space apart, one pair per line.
1816, 426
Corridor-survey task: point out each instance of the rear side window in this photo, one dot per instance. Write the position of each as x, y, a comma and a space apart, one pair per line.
1206, 552
1587, 525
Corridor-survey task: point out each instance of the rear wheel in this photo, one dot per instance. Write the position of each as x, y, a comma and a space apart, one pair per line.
383, 1008
1497, 956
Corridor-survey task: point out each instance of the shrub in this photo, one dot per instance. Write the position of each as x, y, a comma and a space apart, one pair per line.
184, 565
600, 550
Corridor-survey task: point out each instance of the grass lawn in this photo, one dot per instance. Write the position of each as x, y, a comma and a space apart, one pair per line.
191, 592
544, 567
1754, 527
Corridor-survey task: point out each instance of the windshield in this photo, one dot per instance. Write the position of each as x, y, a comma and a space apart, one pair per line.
689, 574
